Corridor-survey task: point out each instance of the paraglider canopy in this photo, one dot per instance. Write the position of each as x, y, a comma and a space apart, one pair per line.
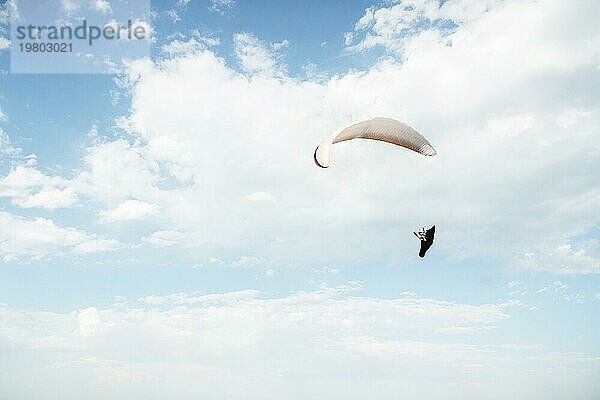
382, 129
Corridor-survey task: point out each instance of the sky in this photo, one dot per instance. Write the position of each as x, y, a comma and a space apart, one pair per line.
165, 233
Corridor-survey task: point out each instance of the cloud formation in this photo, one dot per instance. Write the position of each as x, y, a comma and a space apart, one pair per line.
221, 6
27, 187
501, 142
129, 210
281, 347
40, 237
512, 127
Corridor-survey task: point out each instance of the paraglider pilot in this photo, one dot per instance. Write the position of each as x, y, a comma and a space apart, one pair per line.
426, 238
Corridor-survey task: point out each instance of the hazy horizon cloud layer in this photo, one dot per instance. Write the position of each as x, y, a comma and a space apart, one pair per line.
165, 233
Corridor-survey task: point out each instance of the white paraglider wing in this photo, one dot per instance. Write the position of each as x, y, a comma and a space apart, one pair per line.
382, 129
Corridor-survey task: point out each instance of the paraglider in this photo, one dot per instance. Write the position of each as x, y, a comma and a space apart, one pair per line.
426, 238
383, 129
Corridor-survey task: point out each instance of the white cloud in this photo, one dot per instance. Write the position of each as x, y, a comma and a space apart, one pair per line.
9, 12
49, 198
216, 261
137, 175
4, 44
240, 262
164, 238
70, 6
179, 48
563, 258
148, 30
173, 16
208, 40
561, 290
462, 330
180, 344
198, 298
88, 320
280, 45
221, 6
516, 289
254, 56
247, 262
348, 37
366, 20
502, 113
10, 258
394, 27
517, 142
261, 126
102, 6
312, 72
28, 188
40, 237
555, 287
129, 210
6, 148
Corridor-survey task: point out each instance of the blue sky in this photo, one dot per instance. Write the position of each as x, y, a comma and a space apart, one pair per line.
164, 227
